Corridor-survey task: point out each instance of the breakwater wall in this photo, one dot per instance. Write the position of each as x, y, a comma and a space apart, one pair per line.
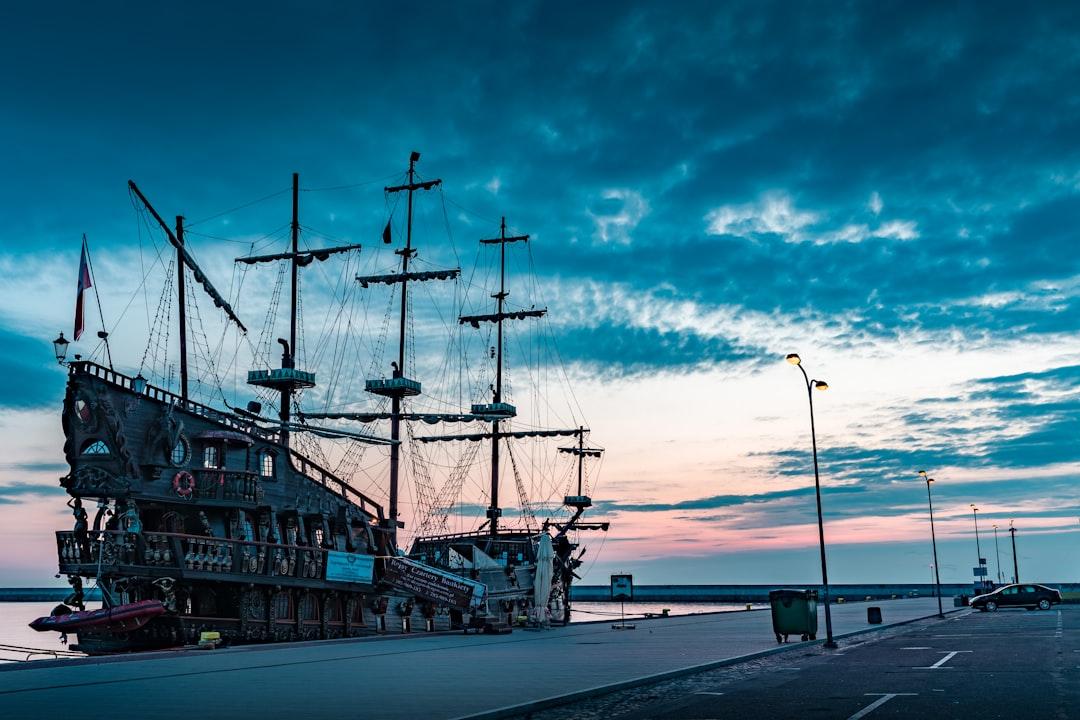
760, 593
54, 594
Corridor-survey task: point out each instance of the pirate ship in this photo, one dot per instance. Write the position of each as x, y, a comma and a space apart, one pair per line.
212, 518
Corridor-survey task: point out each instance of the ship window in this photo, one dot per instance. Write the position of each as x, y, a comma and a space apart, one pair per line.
179, 454
317, 537
266, 464
283, 609
212, 456
95, 447
309, 608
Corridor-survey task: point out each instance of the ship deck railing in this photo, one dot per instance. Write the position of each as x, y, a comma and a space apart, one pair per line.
185, 556
300, 463
520, 535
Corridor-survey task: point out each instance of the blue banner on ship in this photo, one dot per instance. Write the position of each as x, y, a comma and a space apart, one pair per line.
349, 567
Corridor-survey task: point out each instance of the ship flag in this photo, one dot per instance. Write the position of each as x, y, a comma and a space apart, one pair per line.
386, 233
84, 283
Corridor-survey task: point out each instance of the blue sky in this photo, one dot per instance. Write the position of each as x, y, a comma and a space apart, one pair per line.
890, 189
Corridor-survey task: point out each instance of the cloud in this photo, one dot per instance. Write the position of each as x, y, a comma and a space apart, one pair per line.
29, 366
774, 214
897, 230
13, 493
619, 213
875, 204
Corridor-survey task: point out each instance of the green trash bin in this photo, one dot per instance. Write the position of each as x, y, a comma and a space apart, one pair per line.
794, 612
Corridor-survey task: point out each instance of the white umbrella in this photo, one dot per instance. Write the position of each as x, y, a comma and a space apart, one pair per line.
545, 569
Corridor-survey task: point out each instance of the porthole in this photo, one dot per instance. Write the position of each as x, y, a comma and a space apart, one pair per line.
181, 451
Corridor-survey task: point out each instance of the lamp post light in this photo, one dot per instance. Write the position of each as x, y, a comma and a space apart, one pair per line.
60, 346
1016, 567
979, 560
997, 554
812, 385
933, 542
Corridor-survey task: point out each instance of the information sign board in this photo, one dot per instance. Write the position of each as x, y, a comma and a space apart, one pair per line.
349, 567
433, 584
622, 587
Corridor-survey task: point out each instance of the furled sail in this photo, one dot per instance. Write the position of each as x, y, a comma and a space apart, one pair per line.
475, 320
392, 278
477, 437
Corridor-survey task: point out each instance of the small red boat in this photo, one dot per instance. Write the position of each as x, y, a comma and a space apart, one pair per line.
122, 618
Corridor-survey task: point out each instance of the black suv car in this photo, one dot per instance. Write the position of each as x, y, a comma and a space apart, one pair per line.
1028, 596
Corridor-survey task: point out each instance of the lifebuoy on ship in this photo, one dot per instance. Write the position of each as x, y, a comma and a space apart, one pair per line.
183, 484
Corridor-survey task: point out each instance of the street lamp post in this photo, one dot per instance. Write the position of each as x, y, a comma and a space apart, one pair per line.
978, 550
997, 555
811, 385
933, 542
1016, 567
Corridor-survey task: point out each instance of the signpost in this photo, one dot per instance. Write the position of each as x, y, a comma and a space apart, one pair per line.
433, 584
622, 589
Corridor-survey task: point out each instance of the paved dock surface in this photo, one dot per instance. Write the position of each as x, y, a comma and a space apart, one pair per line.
1011, 664
434, 677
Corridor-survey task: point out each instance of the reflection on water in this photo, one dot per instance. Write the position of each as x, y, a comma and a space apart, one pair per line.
14, 617
14, 630
586, 611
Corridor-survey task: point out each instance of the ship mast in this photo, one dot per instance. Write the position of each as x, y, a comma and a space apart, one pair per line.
398, 386
182, 302
494, 511
183, 258
498, 410
287, 380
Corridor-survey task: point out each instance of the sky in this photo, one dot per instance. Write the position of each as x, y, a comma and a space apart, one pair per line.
890, 189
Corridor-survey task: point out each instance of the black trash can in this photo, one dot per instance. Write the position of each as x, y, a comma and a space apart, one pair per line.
873, 615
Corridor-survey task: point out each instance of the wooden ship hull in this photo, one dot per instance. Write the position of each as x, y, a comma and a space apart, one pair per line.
263, 546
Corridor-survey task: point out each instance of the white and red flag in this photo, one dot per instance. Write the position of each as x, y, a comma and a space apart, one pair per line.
84, 283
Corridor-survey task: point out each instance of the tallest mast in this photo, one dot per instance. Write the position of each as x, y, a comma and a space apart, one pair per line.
406, 254
398, 386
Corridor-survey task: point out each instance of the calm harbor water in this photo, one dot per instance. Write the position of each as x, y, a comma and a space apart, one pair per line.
14, 617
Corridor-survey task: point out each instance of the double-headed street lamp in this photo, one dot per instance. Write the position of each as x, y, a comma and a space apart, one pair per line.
933, 541
811, 385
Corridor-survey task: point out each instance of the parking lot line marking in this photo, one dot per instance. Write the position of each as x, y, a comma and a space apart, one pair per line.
706, 692
885, 697
920, 647
949, 655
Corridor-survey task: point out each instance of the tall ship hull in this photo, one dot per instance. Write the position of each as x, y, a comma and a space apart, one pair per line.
265, 546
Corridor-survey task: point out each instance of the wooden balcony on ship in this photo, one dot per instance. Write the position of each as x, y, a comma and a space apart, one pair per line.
197, 557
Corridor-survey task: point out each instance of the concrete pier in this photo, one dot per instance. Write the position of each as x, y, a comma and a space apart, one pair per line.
442, 676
